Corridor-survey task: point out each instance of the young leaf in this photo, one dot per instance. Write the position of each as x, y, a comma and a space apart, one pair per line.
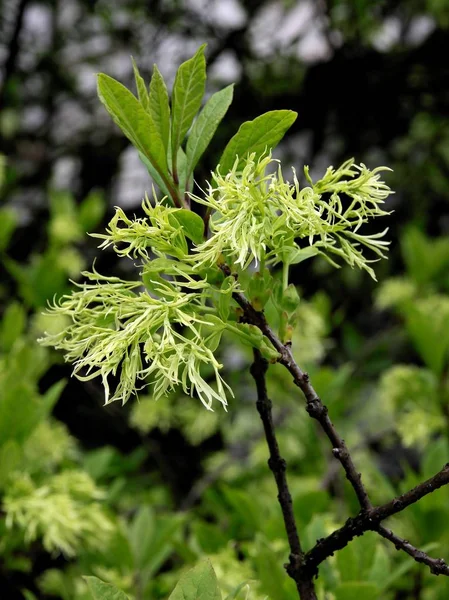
133, 120
141, 87
182, 171
159, 107
264, 133
155, 176
104, 591
198, 583
192, 224
188, 92
205, 126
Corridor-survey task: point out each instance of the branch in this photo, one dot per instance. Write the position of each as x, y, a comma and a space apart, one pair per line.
369, 520
437, 566
278, 466
316, 409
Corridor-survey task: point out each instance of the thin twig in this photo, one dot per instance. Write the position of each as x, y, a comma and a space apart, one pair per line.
369, 518
437, 566
316, 409
278, 467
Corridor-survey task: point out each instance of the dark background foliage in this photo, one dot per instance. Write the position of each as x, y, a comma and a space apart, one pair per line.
368, 79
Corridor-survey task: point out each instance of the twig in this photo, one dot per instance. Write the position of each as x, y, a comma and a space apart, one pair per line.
437, 566
316, 409
278, 466
369, 518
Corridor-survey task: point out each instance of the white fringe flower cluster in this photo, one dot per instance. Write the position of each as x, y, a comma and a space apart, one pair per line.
260, 217
165, 327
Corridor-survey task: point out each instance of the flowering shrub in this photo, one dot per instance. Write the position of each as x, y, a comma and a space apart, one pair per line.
216, 262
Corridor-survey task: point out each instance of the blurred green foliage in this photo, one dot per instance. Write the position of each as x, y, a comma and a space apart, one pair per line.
100, 513
381, 368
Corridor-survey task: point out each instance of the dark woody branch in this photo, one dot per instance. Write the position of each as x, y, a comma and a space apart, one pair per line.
302, 568
370, 520
316, 409
278, 467
437, 566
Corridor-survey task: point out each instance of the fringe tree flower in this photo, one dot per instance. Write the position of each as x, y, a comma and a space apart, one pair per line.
159, 231
115, 326
167, 333
259, 217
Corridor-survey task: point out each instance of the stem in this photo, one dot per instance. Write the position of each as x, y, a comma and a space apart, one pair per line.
369, 518
174, 192
314, 406
285, 269
278, 466
437, 566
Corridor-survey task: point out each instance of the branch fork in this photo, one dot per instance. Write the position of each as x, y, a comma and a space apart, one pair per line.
303, 567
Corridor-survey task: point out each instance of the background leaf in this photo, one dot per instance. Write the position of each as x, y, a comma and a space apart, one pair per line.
200, 583
356, 590
104, 591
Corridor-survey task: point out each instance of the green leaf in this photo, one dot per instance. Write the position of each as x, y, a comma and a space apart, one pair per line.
380, 567
141, 535
10, 456
248, 334
355, 590
427, 324
272, 576
426, 259
243, 587
225, 298
159, 107
104, 591
188, 92
192, 224
210, 538
133, 120
206, 125
348, 563
8, 222
155, 176
91, 210
294, 256
12, 325
152, 539
141, 87
264, 133
285, 300
182, 172
200, 583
